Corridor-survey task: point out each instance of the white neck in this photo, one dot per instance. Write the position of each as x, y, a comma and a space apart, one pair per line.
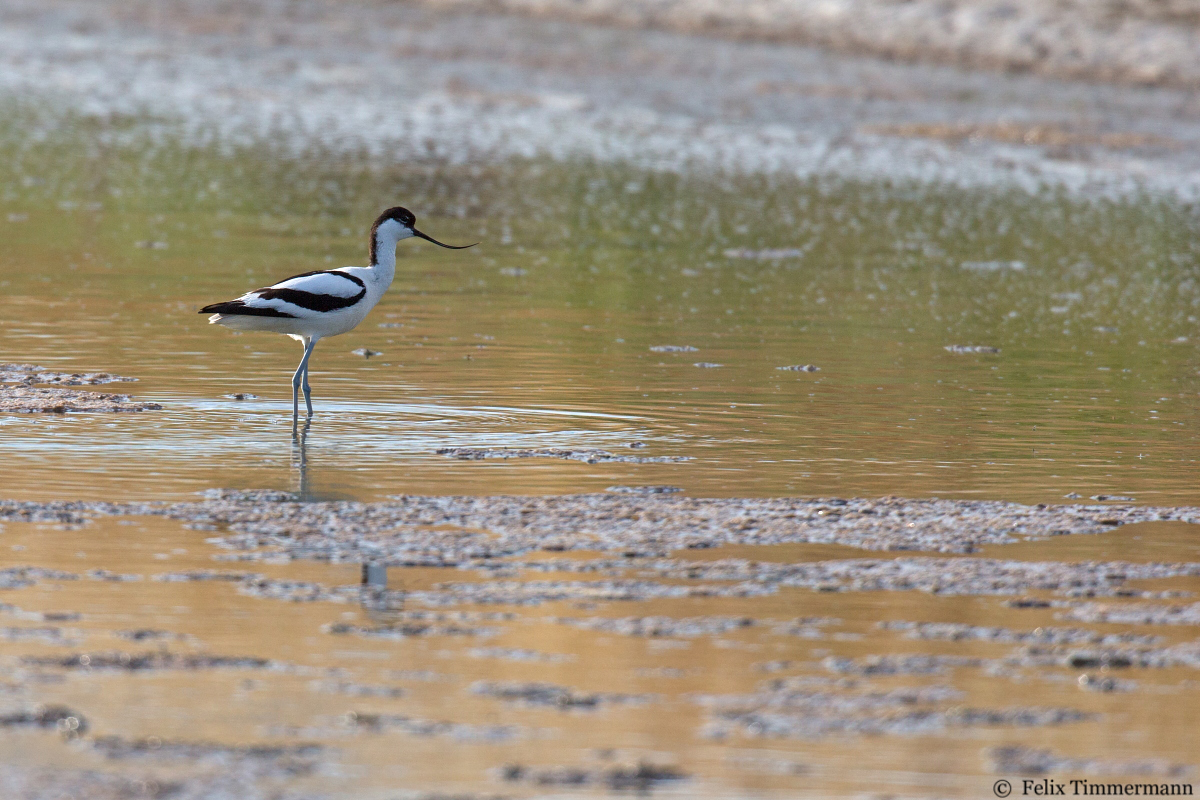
384, 250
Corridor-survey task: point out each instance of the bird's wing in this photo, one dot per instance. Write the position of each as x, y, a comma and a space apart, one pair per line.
332, 282
300, 296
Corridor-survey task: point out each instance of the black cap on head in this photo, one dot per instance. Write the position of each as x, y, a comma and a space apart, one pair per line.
401, 215
408, 220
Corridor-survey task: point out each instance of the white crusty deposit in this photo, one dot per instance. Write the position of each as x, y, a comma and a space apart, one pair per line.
405, 82
1145, 42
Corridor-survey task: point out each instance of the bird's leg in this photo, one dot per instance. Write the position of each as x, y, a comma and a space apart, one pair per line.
307, 391
301, 377
295, 400
296, 380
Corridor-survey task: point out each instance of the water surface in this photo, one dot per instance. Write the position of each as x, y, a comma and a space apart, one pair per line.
115, 233
965, 343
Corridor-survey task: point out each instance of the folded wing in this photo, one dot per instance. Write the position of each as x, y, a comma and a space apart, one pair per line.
299, 297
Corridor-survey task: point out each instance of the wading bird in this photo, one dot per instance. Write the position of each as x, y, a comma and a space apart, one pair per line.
316, 305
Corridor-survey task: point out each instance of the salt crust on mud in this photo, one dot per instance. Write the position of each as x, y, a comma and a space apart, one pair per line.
18, 393
553, 696
586, 456
458, 731
490, 534
958, 631
634, 535
1186, 614
790, 708
199, 771
641, 779
730, 578
406, 84
29, 374
1137, 41
445, 531
36, 400
1021, 760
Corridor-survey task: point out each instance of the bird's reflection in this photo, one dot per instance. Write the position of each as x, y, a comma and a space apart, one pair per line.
374, 575
300, 459
376, 600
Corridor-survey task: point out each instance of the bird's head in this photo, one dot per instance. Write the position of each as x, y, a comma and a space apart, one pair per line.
399, 223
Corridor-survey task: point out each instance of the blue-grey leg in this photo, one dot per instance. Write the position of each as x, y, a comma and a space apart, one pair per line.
307, 388
301, 376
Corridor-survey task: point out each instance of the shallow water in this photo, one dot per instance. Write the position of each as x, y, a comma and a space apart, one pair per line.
116, 233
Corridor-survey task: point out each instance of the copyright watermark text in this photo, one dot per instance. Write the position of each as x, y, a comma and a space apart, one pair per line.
1049, 787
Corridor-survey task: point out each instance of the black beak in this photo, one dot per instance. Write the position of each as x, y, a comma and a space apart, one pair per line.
420, 235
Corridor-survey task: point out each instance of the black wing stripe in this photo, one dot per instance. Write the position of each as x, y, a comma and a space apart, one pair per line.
238, 307
337, 272
311, 301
